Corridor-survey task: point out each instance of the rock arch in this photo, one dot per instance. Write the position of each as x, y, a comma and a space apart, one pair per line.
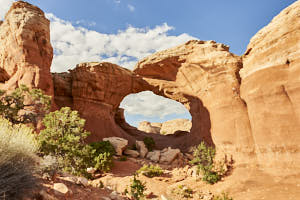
246, 106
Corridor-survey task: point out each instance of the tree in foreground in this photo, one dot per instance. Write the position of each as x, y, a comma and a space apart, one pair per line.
24, 105
64, 138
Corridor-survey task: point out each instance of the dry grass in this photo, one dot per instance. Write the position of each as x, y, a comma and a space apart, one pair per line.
17, 160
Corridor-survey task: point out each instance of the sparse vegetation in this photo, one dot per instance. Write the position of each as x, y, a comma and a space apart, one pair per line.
204, 159
150, 143
17, 160
137, 189
63, 137
223, 196
14, 108
123, 158
183, 192
150, 170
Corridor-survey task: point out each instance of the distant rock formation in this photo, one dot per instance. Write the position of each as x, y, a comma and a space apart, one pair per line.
166, 128
248, 107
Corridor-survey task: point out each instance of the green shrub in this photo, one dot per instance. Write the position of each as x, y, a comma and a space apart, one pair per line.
14, 108
183, 192
101, 154
223, 196
150, 143
151, 171
137, 189
63, 137
17, 160
123, 158
204, 159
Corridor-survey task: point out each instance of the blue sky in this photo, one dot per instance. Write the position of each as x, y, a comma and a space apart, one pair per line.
124, 31
232, 22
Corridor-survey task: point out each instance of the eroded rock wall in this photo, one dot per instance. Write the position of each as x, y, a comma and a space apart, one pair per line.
25, 49
271, 89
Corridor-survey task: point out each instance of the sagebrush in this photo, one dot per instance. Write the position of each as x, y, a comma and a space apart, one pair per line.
150, 170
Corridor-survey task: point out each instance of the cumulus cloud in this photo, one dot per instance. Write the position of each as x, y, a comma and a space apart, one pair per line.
5, 5
74, 44
151, 105
131, 7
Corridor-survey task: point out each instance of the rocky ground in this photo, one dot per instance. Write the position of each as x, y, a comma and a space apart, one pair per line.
243, 182
178, 176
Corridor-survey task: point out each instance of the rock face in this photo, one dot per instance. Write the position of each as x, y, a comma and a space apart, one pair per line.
96, 90
165, 128
119, 144
25, 49
149, 127
247, 107
172, 126
271, 89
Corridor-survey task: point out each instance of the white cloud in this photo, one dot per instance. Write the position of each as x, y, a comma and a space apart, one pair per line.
117, 1
131, 8
5, 5
73, 45
142, 104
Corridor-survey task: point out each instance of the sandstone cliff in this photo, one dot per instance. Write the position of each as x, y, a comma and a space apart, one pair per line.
167, 127
25, 49
271, 89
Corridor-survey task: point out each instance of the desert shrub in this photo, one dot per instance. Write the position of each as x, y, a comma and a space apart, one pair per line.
204, 159
123, 158
151, 170
183, 192
101, 154
63, 137
17, 160
150, 143
223, 196
24, 105
137, 189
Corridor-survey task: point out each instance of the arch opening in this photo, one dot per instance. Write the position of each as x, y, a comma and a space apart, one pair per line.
151, 113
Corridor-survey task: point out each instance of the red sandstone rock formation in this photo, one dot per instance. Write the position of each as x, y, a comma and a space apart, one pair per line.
25, 49
204, 77
246, 106
271, 89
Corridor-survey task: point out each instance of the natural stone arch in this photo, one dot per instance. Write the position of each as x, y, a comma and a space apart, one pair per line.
200, 130
207, 72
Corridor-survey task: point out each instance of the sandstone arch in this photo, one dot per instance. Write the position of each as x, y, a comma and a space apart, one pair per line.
246, 106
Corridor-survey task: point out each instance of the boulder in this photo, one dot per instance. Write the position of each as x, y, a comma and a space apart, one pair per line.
60, 188
119, 144
142, 148
154, 155
169, 155
131, 153
83, 181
